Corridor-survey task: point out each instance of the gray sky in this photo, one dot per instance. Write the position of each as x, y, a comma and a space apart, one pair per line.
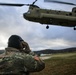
38, 37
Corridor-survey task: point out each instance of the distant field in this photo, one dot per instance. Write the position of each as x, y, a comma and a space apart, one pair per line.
59, 64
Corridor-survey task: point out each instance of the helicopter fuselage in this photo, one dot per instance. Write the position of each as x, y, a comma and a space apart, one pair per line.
53, 17
47, 16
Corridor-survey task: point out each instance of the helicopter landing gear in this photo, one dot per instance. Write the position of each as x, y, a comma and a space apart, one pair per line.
74, 28
47, 27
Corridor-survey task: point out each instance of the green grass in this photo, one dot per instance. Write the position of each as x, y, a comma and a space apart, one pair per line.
60, 64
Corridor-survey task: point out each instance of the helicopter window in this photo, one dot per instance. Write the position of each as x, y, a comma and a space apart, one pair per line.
37, 10
47, 11
59, 11
66, 14
70, 14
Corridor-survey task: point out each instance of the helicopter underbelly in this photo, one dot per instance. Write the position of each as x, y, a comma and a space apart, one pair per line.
60, 22
53, 21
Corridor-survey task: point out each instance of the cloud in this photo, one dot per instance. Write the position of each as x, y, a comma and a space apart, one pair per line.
12, 22
39, 44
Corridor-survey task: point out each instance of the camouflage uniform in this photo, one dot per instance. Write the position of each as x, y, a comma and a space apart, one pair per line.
15, 62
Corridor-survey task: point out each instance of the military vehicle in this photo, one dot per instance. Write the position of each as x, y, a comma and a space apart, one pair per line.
48, 16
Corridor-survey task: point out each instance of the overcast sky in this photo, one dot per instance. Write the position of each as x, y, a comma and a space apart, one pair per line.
38, 37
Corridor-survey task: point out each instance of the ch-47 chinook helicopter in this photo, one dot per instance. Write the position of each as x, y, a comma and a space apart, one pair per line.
47, 16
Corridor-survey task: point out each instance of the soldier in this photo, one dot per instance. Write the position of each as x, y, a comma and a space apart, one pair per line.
18, 59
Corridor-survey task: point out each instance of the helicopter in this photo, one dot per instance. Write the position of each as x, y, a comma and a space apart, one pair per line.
48, 16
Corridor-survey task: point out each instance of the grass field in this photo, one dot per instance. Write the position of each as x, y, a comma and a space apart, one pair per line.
59, 64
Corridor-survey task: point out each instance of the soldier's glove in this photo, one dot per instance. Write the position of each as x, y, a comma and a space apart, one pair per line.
26, 47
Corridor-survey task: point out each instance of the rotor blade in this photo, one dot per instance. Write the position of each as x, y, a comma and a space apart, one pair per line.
9, 4
34, 2
61, 2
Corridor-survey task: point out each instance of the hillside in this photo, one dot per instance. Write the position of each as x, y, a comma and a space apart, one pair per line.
50, 51
1, 51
